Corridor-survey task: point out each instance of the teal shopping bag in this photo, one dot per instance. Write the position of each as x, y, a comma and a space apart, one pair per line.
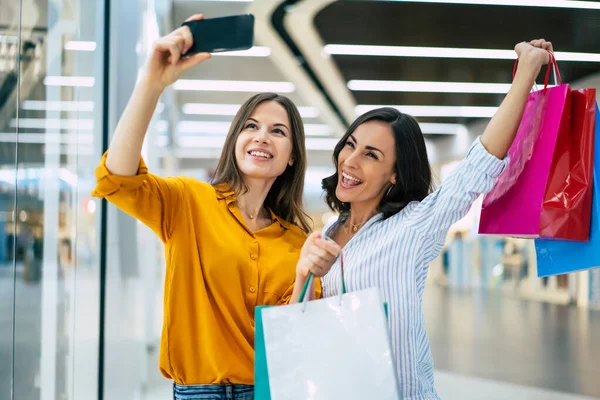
556, 257
262, 389
261, 373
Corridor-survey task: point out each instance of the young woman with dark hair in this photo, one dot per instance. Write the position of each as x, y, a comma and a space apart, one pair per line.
392, 224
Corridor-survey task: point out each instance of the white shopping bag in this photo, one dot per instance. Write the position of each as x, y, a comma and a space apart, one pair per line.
328, 349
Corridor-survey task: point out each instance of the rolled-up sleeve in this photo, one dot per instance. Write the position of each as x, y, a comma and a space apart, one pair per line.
475, 175
153, 200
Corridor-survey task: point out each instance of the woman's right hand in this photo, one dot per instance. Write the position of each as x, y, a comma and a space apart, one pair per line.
166, 64
317, 256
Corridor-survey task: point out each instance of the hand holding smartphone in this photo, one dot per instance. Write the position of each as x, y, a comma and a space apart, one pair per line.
222, 34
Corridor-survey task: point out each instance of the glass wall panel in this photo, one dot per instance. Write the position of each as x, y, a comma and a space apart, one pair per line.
51, 119
11, 250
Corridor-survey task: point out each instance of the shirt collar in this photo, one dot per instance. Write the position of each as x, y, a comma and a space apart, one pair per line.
224, 192
287, 225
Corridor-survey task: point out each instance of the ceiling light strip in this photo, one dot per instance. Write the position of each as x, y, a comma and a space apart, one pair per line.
579, 5
42, 105
232, 109
52, 123
427, 86
256, 51
80, 45
221, 128
444, 52
226, 1
75, 81
435, 111
234, 86
42, 138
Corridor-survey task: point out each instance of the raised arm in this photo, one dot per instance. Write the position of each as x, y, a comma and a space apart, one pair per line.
501, 130
485, 160
164, 67
122, 177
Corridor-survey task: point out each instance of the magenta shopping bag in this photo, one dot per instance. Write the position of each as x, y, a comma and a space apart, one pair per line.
514, 206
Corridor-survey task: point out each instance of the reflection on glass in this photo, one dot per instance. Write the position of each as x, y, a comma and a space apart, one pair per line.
50, 140
8, 228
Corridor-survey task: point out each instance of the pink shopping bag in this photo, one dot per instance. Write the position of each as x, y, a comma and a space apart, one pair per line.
514, 206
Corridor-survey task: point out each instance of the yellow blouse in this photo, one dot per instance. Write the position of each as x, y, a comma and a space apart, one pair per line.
217, 271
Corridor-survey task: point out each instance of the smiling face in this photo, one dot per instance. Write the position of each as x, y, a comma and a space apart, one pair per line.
366, 164
263, 149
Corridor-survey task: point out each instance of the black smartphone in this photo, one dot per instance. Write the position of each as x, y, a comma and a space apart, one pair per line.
216, 35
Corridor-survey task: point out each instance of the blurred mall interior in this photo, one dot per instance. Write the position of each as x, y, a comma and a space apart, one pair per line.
81, 283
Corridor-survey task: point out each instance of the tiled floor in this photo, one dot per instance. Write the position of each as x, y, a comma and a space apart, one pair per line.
452, 386
493, 347
511, 340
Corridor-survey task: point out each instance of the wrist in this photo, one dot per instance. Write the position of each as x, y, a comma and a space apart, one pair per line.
301, 277
151, 86
530, 64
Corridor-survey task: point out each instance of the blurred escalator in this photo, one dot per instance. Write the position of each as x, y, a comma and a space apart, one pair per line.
31, 66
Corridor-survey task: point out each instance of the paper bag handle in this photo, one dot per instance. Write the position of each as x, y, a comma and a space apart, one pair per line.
310, 278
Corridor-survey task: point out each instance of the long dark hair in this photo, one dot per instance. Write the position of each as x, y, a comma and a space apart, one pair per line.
413, 182
285, 196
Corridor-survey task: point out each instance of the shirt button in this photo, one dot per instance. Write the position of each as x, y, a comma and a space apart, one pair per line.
252, 289
253, 256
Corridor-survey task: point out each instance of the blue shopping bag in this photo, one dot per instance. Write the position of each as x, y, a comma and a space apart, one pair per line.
555, 257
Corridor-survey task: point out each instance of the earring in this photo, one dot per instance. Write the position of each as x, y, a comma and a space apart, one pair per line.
389, 190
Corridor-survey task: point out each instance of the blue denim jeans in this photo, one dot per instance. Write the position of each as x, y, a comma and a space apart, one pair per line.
213, 392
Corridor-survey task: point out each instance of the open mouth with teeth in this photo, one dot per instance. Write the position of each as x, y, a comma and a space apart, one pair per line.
350, 181
260, 154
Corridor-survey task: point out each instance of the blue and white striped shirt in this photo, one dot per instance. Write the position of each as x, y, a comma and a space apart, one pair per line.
394, 255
